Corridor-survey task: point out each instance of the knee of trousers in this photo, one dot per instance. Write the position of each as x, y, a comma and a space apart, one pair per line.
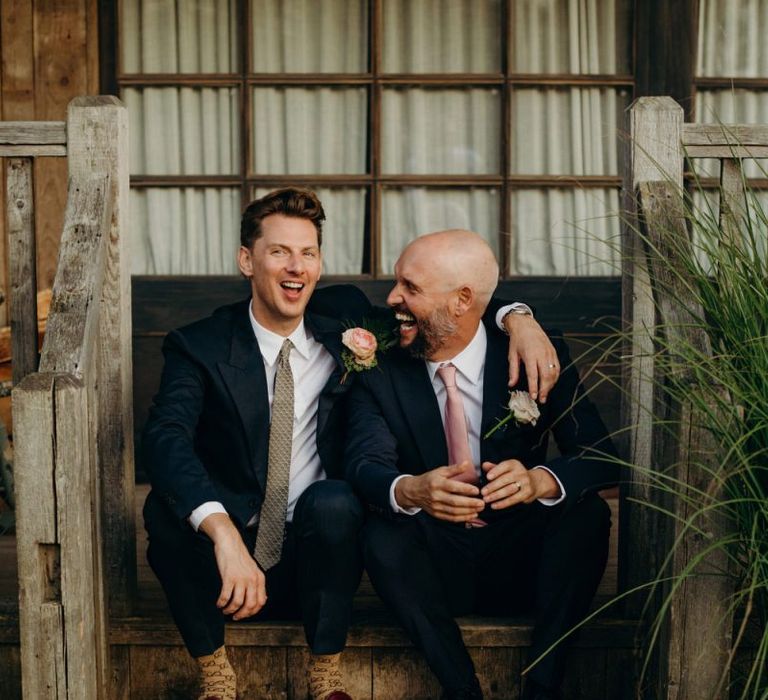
591, 517
331, 509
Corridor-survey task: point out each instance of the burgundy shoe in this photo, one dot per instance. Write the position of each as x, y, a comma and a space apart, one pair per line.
338, 695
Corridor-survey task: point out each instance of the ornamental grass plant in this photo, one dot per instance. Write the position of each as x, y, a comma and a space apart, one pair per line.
719, 283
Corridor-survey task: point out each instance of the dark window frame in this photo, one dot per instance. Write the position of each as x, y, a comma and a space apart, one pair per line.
374, 181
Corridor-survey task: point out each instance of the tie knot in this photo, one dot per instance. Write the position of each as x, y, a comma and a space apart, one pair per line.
285, 351
448, 374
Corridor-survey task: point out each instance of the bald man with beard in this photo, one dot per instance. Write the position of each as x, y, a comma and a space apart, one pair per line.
462, 520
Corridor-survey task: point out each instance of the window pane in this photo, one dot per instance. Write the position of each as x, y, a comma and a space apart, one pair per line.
732, 38
442, 36
167, 36
565, 232
344, 228
410, 212
562, 36
184, 231
441, 131
309, 131
566, 131
183, 131
307, 36
731, 107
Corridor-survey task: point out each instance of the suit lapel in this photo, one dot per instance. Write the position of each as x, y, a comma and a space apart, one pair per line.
414, 391
495, 392
246, 382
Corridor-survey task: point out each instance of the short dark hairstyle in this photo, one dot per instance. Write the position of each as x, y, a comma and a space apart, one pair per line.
289, 201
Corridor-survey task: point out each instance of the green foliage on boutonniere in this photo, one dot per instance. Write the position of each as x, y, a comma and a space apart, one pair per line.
363, 342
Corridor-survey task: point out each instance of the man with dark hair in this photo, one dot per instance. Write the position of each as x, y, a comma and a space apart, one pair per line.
466, 518
247, 514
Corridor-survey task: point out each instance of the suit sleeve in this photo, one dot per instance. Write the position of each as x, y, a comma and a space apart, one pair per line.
370, 457
175, 470
344, 302
588, 459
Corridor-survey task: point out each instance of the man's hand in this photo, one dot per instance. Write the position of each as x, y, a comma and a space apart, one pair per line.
529, 344
440, 494
243, 585
510, 483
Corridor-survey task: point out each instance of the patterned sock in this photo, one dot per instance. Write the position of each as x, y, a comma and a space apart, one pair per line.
217, 677
324, 675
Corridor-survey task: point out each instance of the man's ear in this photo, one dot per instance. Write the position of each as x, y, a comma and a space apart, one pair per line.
244, 262
465, 298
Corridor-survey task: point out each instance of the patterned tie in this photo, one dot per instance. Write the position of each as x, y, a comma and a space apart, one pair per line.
269, 537
456, 425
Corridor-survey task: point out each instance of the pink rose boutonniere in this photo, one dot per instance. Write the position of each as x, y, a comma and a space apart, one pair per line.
361, 345
522, 409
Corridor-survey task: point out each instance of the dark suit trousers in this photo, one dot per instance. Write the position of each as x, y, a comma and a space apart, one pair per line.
539, 560
315, 580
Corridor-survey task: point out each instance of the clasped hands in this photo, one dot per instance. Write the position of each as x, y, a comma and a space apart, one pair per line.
442, 496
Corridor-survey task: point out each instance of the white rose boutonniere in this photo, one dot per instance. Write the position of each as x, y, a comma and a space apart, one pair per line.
522, 409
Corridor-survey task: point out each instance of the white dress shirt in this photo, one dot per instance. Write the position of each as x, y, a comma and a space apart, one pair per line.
470, 365
311, 365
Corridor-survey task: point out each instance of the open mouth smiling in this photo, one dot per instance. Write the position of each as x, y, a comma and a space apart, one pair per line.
406, 320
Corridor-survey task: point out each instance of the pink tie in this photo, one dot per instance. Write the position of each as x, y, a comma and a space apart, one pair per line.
456, 425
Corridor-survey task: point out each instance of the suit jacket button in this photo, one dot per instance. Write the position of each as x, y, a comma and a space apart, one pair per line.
253, 503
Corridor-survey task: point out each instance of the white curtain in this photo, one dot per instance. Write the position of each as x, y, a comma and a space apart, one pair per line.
309, 131
732, 38
571, 36
441, 36
179, 36
565, 232
184, 231
436, 131
310, 36
566, 131
412, 211
441, 131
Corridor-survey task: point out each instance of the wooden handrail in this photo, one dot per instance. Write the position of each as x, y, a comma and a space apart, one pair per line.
73, 422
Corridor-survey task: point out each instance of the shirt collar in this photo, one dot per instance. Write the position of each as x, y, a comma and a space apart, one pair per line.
271, 342
470, 361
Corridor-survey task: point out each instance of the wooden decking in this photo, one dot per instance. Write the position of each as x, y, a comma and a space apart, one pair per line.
149, 660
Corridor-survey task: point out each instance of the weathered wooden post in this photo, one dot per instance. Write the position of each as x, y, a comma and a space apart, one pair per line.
692, 655
97, 139
73, 429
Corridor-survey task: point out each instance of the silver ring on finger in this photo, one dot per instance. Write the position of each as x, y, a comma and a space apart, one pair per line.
519, 486
551, 366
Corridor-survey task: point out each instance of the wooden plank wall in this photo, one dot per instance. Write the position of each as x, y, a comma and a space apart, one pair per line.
49, 51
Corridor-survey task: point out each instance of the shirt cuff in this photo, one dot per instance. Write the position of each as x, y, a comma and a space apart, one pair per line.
393, 503
552, 501
504, 310
200, 513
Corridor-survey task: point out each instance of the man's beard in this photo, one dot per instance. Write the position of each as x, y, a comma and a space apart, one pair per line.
432, 333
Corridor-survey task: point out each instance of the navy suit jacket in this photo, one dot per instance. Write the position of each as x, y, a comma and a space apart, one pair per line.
207, 435
394, 427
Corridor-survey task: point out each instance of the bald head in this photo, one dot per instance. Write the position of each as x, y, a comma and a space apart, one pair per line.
457, 258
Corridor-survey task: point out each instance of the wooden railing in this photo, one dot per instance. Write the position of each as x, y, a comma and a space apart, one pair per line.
73, 433
692, 659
